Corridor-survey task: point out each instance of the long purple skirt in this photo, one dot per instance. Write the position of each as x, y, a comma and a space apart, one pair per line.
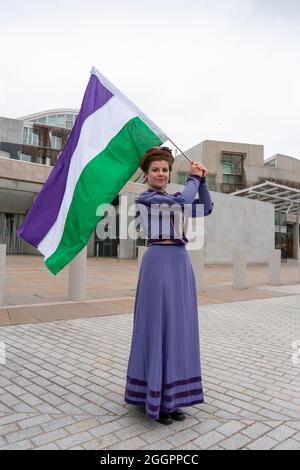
164, 367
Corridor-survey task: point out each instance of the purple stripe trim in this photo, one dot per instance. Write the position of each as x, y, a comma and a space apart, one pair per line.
45, 208
183, 382
167, 386
136, 381
167, 410
187, 393
130, 401
142, 394
154, 408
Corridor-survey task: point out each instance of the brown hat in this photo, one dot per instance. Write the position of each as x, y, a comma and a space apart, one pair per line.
165, 151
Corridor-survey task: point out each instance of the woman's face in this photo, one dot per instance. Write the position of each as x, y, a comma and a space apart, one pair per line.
158, 174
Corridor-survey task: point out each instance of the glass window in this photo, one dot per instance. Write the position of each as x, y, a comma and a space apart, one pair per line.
29, 137
25, 135
52, 119
42, 120
25, 158
226, 168
61, 120
280, 218
33, 138
70, 120
55, 142
232, 164
228, 179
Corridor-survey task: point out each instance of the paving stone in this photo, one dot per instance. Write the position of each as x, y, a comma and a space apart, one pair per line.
209, 439
130, 444
58, 423
281, 433
34, 421
106, 428
182, 437
263, 443
71, 441
289, 444
23, 434
49, 437
21, 445
256, 430
236, 442
101, 442
64, 385
231, 427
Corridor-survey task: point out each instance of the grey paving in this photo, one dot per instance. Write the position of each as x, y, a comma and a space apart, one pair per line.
62, 385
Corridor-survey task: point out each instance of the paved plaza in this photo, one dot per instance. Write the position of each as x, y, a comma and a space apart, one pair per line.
63, 382
34, 295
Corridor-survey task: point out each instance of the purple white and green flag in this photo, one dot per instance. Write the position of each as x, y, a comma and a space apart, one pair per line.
103, 152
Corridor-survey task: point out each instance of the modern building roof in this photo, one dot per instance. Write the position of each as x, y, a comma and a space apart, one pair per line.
48, 112
284, 198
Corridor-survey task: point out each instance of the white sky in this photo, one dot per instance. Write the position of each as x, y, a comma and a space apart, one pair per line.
203, 69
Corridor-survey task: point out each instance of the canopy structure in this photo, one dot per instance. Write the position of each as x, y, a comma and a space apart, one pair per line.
284, 198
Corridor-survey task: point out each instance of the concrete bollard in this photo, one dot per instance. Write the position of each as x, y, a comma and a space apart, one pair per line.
197, 260
2, 271
298, 269
239, 268
275, 268
77, 276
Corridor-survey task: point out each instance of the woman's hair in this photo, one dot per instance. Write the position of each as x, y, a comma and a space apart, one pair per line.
156, 154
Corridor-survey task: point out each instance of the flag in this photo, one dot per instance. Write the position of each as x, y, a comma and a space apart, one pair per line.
109, 137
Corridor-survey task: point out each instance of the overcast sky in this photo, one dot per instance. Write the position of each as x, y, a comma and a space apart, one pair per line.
203, 69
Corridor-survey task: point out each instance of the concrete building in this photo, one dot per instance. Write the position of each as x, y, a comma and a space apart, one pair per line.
30, 146
233, 221
234, 166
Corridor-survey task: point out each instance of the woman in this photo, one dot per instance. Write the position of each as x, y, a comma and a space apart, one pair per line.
164, 370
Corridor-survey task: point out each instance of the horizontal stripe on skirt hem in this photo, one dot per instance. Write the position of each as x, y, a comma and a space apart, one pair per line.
183, 394
142, 383
177, 394
166, 410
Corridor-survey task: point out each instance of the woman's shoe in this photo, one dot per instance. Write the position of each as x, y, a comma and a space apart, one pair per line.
164, 418
178, 415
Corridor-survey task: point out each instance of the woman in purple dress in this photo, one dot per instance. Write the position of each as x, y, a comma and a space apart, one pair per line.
164, 367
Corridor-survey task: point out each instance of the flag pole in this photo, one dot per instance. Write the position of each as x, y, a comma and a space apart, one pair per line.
180, 150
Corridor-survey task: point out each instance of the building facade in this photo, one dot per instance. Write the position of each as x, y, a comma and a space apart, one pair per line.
30, 146
234, 166
37, 140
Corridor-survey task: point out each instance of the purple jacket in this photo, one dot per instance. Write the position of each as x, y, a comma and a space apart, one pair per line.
164, 216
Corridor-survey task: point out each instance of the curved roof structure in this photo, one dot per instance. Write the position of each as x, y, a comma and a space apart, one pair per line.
284, 198
61, 117
48, 112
